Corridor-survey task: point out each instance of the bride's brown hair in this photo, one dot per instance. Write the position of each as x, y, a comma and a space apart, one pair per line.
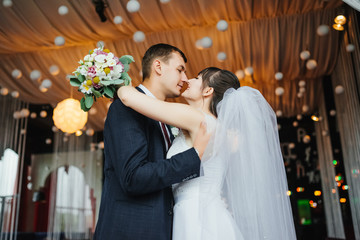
220, 80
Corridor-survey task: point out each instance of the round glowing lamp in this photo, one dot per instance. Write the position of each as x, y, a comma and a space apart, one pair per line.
68, 116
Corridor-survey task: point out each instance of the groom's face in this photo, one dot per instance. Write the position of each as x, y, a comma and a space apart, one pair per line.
174, 75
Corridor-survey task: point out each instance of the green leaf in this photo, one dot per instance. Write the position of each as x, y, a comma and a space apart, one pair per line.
126, 67
95, 92
89, 101
109, 92
81, 78
126, 59
75, 82
127, 78
82, 104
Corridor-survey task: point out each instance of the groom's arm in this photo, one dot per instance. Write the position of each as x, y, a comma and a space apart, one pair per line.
128, 150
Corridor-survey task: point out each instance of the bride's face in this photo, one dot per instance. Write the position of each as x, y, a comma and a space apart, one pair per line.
194, 91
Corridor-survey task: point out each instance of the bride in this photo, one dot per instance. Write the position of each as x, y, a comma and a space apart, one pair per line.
241, 193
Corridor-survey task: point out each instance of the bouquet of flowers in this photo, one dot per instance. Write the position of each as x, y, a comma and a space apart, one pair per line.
100, 74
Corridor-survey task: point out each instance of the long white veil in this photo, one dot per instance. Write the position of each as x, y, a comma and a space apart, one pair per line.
254, 184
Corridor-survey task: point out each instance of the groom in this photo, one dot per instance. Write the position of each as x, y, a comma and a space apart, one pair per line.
136, 201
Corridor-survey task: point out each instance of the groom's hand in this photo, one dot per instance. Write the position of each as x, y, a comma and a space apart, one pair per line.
201, 140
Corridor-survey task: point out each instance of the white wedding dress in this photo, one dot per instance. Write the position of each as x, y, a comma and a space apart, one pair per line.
192, 222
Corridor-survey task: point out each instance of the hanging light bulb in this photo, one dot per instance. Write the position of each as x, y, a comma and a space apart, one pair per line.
68, 116
338, 27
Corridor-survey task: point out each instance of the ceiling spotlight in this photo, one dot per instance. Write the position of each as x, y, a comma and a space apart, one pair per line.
340, 19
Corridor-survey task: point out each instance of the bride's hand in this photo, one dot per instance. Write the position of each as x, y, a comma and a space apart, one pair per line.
124, 92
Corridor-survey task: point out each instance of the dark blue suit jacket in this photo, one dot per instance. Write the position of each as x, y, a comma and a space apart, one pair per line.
137, 201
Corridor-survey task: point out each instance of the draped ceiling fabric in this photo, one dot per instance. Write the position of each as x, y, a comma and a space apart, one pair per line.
267, 35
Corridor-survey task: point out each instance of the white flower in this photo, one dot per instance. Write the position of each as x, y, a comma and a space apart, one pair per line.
81, 62
111, 62
118, 68
100, 58
82, 70
84, 88
175, 131
89, 64
115, 75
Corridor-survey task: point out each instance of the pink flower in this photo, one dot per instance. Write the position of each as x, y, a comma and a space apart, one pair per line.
91, 72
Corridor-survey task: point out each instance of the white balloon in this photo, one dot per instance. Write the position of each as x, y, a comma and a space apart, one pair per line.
279, 113
35, 75
90, 132
249, 71
332, 112
279, 91
92, 111
46, 83
339, 89
221, 56
240, 74
302, 83
299, 95
43, 114
139, 36
206, 42
16, 115
4, 91
279, 76
15, 94
43, 89
100, 44
302, 90
305, 108
59, 41
164, 1
7, 3
33, 115
304, 55
63, 10
311, 64
222, 25
198, 44
350, 47
118, 19
16, 73
54, 70
133, 6
24, 112
323, 30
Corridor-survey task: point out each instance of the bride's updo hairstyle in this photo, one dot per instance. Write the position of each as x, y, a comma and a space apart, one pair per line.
220, 80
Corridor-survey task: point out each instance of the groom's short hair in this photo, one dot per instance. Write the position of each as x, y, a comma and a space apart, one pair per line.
160, 50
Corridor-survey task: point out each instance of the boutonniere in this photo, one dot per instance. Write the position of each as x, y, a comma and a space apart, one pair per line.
174, 131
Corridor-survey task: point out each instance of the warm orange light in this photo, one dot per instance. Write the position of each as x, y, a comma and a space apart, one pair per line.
340, 19
311, 201
300, 189
314, 118
339, 184
345, 187
343, 200
338, 27
317, 193
333, 190
289, 193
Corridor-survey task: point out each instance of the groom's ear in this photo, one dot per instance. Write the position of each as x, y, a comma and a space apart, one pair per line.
157, 66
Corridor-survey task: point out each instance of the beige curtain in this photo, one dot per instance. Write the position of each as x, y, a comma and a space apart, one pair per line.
334, 220
267, 35
348, 112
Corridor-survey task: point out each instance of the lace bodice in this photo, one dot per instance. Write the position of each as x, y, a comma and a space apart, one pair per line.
212, 171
